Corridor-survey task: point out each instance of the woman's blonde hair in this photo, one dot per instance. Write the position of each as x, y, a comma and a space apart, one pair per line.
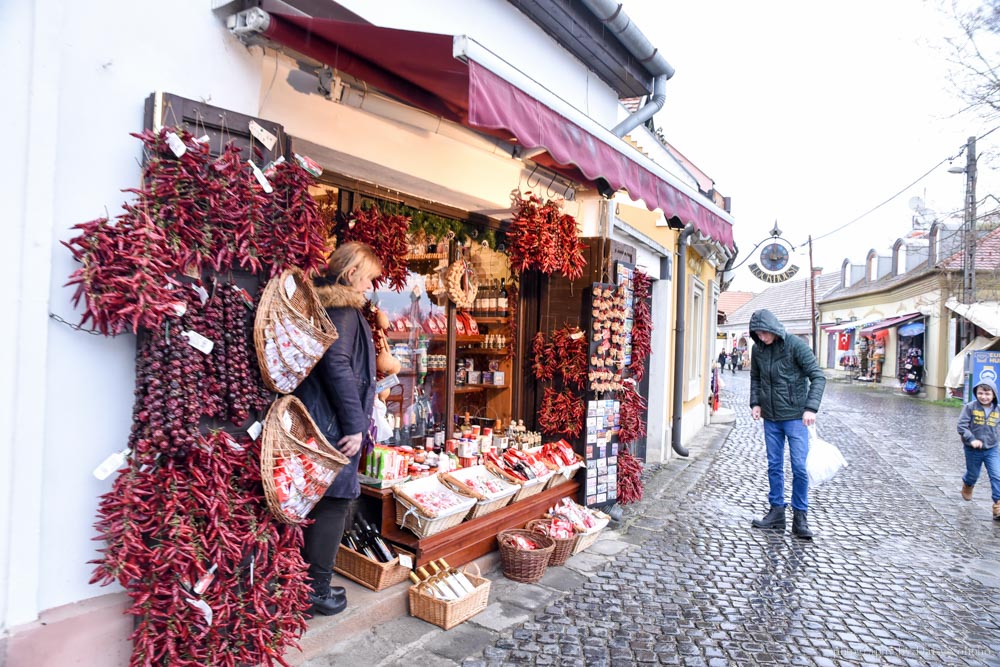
352, 255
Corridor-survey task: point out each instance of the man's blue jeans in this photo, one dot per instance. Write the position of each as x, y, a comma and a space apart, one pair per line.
974, 461
775, 433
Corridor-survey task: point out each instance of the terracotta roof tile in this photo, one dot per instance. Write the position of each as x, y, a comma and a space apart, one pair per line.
788, 301
987, 255
730, 302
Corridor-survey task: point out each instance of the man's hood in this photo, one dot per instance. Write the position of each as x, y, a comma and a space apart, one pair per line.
987, 383
764, 320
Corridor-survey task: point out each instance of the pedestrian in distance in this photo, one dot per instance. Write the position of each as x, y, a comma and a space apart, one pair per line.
340, 394
745, 359
977, 425
734, 359
723, 359
786, 388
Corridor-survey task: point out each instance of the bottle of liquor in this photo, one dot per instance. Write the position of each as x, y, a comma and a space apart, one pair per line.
503, 302
463, 580
374, 540
492, 296
447, 582
397, 436
439, 590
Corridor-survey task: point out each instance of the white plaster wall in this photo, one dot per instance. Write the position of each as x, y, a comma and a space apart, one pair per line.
87, 83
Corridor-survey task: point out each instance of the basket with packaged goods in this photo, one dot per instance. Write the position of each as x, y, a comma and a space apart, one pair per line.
522, 468
524, 555
588, 523
446, 596
490, 491
560, 457
425, 506
297, 464
561, 532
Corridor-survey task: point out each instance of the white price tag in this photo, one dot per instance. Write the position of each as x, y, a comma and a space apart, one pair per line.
203, 607
199, 342
286, 421
180, 308
203, 139
201, 292
261, 178
233, 445
290, 286
111, 464
577, 336
255, 430
176, 145
406, 561
262, 135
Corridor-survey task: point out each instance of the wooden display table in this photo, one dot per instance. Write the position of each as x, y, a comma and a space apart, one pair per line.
468, 540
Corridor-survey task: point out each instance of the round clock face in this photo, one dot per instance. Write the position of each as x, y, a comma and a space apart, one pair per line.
774, 257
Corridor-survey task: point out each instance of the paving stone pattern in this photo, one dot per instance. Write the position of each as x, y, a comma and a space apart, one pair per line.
902, 571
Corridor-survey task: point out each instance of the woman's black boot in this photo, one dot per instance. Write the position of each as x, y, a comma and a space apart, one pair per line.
774, 519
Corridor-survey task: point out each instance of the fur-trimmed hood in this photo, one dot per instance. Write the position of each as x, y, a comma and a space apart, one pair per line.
340, 296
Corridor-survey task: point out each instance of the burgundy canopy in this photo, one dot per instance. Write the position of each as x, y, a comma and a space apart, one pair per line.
421, 69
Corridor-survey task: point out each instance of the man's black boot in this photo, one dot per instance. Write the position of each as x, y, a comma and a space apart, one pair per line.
774, 519
800, 527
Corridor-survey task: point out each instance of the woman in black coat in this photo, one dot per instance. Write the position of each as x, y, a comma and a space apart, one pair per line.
339, 394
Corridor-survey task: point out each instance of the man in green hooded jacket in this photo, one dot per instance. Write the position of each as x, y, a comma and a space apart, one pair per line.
786, 387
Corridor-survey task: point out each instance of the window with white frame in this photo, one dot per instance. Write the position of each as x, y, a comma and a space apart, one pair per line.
695, 337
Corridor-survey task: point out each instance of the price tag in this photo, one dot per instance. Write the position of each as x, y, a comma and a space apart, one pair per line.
309, 165
262, 135
261, 178
203, 139
180, 308
111, 464
290, 286
577, 336
203, 607
255, 430
388, 382
233, 445
199, 342
245, 296
286, 421
406, 561
201, 292
176, 145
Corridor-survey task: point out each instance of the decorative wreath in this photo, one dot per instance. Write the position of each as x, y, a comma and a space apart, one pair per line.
461, 283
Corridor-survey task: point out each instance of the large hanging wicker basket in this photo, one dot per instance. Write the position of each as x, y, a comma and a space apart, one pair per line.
291, 331
524, 565
297, 464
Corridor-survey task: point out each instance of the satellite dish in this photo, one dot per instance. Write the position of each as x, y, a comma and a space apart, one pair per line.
915, 203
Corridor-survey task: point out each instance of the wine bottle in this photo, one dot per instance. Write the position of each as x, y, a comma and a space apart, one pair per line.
442, 577
443, 592
463, 580
503, 302
491, 305
375, 540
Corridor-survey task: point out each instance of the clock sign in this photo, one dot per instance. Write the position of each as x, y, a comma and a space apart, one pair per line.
774, 266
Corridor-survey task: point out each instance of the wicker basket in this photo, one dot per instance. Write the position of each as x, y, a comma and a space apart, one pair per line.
524, 565
287, 427
585, 540
527, 489
563, 546
290, 333
367, 572
484, 504
420, 521
449, 613
566, 473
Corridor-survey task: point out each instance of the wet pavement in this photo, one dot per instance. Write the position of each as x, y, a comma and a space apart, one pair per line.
901, 572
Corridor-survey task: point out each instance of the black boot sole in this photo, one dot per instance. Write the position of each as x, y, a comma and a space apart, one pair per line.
802, 537
774, 526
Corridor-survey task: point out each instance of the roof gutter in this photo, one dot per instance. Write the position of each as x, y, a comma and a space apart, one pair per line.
680, 279
611, 14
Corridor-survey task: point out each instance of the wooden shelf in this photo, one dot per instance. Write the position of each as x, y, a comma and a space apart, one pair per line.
405, 336
483, 350
487, 386
491, 320
466, 389
427, 257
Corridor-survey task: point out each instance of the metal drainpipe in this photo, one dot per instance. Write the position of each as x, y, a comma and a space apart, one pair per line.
680, 275
610, 13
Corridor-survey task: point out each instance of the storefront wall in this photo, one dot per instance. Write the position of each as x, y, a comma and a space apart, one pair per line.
68, 402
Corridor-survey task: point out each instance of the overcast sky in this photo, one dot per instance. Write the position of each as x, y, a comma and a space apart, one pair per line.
813, 113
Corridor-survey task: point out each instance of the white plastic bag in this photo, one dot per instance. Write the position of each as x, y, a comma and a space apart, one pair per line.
824, 460
383, 426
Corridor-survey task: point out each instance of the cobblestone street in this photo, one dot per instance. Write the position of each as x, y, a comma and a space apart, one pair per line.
902, 571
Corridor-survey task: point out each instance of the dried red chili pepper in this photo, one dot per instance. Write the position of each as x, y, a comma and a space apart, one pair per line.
629, 477
642, 328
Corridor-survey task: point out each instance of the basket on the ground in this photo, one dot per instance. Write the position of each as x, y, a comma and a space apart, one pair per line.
449, 613
291, 331
584, 539
367, 572
524, 565
490, 491
297, 464
563, 545
415, 514
526, 488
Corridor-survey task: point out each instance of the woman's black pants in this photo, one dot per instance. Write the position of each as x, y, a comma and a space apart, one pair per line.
331, 518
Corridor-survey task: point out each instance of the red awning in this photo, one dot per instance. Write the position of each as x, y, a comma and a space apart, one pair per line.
422, 70
891, 322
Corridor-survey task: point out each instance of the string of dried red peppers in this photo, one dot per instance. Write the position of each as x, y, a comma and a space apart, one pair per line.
542, 237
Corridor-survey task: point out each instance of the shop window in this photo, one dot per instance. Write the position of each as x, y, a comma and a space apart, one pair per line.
696, 338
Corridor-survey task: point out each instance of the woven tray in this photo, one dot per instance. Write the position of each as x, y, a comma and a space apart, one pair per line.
484, 504
563, 546
526, 566
410, 515
447, 614
585, 540
367, 572
527, 489
287, 427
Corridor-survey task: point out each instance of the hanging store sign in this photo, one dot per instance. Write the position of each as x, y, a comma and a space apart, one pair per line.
773, 266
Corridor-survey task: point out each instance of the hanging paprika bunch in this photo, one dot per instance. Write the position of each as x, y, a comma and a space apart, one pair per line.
629, 477
632, 425
570, 347
542, 237
214, 579
291, 232
642, 327
543, 361
386, 234
561, 413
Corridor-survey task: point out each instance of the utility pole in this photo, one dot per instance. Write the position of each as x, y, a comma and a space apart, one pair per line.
812, 300
969, 236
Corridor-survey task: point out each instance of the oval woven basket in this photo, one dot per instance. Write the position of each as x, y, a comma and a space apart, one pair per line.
563, 546
291, 331
524, 565
287, 430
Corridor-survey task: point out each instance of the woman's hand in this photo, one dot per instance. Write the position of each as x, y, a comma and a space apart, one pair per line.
349, 444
